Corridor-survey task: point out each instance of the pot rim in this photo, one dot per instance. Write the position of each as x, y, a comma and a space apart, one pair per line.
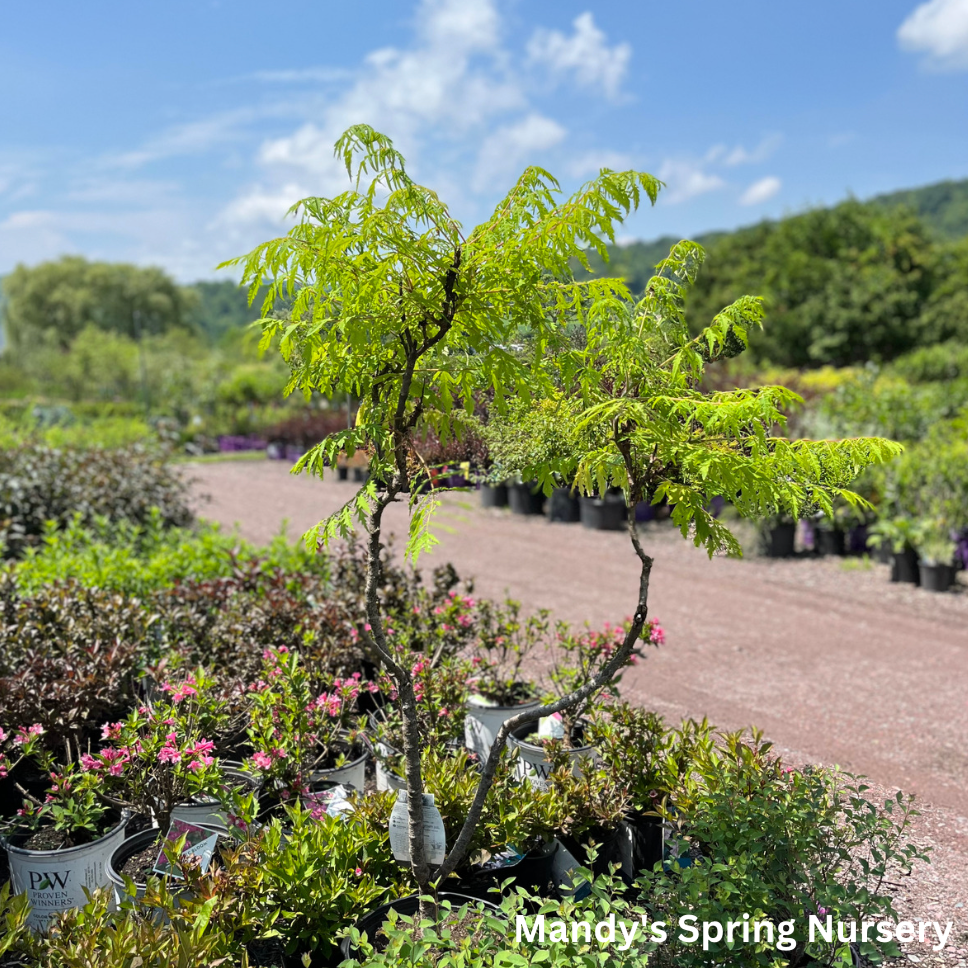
348, 948
364, 744
63, 851
117, 878
524, 744
518, 707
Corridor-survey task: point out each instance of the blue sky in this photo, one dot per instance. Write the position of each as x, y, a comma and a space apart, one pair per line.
178, 133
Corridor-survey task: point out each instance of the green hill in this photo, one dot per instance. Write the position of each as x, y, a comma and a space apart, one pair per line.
943, 207
845, 284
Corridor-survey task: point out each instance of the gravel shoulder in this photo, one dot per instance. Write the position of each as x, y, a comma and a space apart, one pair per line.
835, 664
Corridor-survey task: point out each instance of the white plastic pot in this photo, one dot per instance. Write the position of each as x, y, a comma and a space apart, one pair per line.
208, 812
484, 722
533, 763
352, 774
125, 848
385, 779
54, 880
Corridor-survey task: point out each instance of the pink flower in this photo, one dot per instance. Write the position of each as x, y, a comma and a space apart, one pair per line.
3, 735
111, 731
24, 734
262, 760
443, 711
203, 747
279, 753
201, 762
372, 687
358, 872
116, 769
168, 754
88, 762
367, 627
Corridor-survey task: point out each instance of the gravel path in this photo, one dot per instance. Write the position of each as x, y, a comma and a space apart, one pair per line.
833, 662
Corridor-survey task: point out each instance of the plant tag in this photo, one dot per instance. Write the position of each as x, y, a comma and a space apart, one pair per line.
435, 840
332, 803
551, 727
483, 701
562, 865
199, 843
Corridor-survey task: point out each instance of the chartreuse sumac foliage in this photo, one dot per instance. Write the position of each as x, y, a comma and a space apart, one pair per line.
39, 484
391, 300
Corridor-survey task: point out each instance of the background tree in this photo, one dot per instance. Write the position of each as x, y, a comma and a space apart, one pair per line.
392, 301
52, 302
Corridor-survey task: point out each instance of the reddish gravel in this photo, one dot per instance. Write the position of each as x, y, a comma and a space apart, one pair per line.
833, 662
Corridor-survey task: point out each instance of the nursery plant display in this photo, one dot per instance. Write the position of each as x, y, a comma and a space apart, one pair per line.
393, 302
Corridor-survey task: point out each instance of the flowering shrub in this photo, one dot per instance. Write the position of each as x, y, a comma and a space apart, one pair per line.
578, 655
296, 729
16, 745
503, 641
158, 756
441, 690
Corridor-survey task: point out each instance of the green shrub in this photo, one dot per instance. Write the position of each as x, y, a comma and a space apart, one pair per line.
139, 559
779, 844
40, 484
70, 657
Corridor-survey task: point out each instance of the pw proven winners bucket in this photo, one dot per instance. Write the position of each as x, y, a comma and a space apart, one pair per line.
54, 880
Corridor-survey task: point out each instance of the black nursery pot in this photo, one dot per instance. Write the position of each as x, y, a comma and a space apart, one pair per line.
563, 506
494, 495
936, 578
535, 872
830, 541
780, 541
905, 566
526, 498
603, 514
342, 473
371, 923
635, 845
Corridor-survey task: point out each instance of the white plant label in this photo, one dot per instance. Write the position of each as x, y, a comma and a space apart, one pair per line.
551, 727
435, 840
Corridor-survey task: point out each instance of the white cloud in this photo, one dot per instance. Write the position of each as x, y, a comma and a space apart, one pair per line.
723, 154
261, 205
508, 148
450, 84
761, 191
686, 179
591, 162
308, 75
195, 137
456, 97
585, 54
939, 29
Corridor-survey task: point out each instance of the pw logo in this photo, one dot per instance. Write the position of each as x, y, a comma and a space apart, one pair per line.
46, 880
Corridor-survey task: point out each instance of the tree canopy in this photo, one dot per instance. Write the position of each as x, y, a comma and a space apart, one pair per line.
856, 282
51, 303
